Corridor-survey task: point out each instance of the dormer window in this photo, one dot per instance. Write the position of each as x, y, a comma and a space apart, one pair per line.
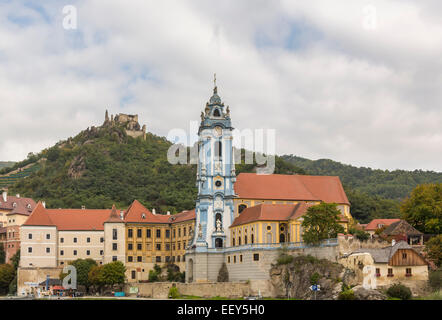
143, 216
28, 206
14, 204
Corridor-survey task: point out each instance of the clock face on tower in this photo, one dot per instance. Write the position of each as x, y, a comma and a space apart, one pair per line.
217, 131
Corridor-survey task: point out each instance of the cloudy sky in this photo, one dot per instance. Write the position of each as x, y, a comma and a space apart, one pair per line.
354, 81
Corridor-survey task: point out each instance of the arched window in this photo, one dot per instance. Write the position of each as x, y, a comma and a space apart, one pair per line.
218, 149
253, 239
218, 217
239, 241
281, 238
245, 239
216, 113
218, 243
241, 208
233, 242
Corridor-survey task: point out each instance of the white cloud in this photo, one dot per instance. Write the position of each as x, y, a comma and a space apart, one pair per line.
330, 88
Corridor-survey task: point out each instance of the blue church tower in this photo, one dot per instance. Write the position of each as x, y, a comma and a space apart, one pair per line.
215, 177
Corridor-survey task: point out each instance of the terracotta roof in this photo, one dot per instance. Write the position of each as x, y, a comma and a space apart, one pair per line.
183, 216
271, 212
401, 227
139, 213
290, 187
114, 216
20, 202
373, 225
68, 219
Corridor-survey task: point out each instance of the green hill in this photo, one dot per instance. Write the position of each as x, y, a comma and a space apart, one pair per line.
102, 166
373, 193
387, 184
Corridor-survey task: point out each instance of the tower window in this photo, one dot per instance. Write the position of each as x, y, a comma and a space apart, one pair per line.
218, 149
218, 183
216, 113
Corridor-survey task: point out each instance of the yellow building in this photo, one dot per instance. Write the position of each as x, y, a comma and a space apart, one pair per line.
269, 208
253, 189
155, 239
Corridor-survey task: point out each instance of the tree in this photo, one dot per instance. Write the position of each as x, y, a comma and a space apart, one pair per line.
7, 275
15, 260
95, 277
433, 248
2, 254
113, 273
423, 208
321, 222
223, 274
83, 267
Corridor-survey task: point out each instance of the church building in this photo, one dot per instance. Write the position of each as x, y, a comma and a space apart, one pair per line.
238, 217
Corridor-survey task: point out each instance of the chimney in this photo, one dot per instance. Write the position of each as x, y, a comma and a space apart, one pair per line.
18, 195
83, 207
121, 214
393, 242
5, 196
44, 204
154, 211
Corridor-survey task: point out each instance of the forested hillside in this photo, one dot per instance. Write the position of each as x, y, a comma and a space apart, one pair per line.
102, 166
372, 193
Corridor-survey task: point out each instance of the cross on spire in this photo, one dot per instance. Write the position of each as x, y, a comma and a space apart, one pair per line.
214, 79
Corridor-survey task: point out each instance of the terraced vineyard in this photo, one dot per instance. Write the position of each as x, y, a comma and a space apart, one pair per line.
8, 180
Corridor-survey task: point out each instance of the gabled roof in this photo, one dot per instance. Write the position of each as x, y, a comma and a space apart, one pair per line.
69, 219
114, 216
384, 255
183, 216
401, 227
271, 212
373, 224
139, 213
39, 217
290, 187
23, 203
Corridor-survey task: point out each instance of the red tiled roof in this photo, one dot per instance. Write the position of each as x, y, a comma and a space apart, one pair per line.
114, 216
373, 225
20, 202
68, 219
271, 212
39, 217
290, 187
136, 211
183, 216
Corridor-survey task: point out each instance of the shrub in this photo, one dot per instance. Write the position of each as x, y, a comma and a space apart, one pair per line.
284, 259
223, 275
347, 295
399, 291
173, 293
435, 279
314, 278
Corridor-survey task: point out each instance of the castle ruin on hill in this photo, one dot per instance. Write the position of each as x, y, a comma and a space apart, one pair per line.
130, 123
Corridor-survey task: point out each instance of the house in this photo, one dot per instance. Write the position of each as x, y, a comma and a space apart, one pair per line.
402, 230
376, 224
396, 263
14, 210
